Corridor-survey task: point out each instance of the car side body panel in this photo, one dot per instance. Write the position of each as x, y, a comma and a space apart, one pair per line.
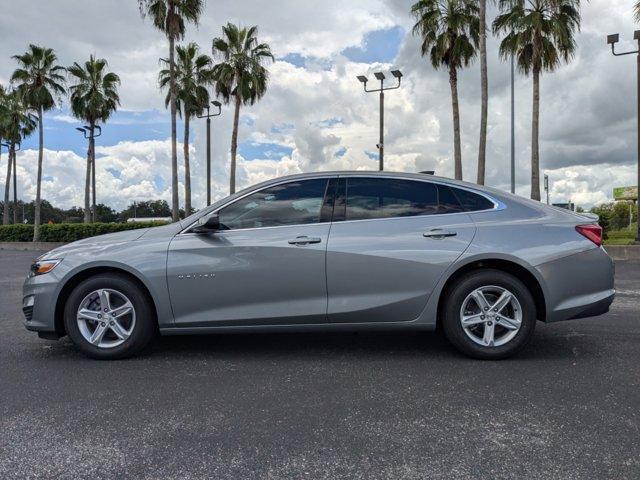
384, 270
252, 276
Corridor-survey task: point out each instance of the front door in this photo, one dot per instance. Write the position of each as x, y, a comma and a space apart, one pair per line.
390, 242
265, 267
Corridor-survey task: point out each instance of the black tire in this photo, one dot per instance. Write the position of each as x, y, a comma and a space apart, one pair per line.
143, 331
455, 297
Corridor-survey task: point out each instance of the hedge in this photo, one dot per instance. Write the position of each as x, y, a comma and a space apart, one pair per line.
66, 232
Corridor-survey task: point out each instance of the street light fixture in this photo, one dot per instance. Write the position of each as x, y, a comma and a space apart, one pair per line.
381, 77
546, 186
612, 40
208, 116
90, 134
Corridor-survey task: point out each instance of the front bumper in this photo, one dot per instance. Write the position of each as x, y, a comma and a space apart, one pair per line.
39, 296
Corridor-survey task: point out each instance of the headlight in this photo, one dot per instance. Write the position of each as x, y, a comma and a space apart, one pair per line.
40, 267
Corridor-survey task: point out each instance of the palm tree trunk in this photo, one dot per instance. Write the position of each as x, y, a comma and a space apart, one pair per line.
15, 189
175, 207
187, 168
234, 147
87, 187
36, 219
535, 135
453, 81
484, 86
92, 142
7, 186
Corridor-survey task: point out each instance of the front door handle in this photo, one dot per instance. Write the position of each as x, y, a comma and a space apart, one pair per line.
304, 240
438, 233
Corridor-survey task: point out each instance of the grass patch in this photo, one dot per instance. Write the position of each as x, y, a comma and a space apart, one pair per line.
624, 236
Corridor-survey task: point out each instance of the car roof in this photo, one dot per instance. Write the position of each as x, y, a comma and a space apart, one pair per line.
384, 174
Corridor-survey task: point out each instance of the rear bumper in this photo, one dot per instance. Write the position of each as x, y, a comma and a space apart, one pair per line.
597, 308
578, 286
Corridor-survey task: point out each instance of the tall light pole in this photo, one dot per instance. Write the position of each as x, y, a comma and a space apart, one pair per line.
208, 116
380, 76
90, 134
612, 40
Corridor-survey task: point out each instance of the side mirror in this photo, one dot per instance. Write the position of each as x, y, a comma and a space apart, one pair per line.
210, 225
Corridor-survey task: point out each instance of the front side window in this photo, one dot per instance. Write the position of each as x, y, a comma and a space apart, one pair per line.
293, 203
369, 198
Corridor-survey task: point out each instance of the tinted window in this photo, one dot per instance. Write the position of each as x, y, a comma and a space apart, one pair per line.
448, 203
384, 198
292, 203
472, 201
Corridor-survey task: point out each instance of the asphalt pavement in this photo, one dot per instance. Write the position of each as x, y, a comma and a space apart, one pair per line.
323, 406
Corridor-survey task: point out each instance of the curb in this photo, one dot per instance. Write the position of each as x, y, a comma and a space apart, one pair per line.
33, 246
623, 252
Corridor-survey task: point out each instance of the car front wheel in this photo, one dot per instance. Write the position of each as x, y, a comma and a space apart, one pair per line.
489, 314
108, 316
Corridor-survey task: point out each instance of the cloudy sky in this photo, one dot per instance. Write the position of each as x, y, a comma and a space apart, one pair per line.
315, 115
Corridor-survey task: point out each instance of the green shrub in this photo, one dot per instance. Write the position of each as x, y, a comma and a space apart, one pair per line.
67, 232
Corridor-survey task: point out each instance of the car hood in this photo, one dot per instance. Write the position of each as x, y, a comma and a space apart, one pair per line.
112, 241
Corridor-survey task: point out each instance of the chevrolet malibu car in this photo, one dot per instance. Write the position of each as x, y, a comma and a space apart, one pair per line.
330, 251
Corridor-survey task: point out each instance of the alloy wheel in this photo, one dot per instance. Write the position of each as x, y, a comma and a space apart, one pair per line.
106, 318
491, 316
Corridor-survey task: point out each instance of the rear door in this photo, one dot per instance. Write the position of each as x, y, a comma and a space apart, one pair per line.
390, 242
266, 267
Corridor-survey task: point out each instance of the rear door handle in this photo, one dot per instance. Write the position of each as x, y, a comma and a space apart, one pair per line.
438, 233
304, 240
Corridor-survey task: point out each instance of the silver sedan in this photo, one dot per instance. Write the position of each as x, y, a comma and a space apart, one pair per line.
330, 251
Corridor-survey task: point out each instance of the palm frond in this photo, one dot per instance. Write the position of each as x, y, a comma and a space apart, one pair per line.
540, 33
241, 71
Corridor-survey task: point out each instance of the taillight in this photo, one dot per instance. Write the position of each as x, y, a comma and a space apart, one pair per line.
593, 232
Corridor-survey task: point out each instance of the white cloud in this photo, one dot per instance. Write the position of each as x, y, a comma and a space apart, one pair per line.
588, 108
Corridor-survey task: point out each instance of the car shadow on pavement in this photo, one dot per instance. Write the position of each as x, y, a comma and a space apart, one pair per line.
545, 344
305, 344
548, 343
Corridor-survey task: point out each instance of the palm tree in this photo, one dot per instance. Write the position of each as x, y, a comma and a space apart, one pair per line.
16, 123
192, 76
40, 80
170, 17
484, 87
94, 97
449, 30
241, 75
540, 35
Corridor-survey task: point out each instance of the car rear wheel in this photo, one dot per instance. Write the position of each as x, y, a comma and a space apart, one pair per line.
109, 317
489, 314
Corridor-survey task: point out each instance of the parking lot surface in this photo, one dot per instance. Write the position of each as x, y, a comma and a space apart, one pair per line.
323, 406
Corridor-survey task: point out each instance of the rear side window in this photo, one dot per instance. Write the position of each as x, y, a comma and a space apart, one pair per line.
472, 202
447, 201
369, 198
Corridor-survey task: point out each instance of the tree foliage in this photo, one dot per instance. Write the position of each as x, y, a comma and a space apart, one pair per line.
94, 91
